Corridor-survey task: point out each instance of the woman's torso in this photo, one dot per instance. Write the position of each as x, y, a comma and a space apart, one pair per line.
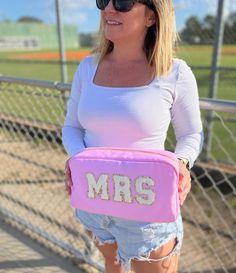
126, 116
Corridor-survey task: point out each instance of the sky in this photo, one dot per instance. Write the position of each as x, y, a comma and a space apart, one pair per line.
85, 15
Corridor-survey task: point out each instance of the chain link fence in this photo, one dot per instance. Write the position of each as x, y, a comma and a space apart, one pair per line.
33, 198
198, 34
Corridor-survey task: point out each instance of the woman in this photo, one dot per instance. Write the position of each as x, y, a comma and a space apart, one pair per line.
125, 96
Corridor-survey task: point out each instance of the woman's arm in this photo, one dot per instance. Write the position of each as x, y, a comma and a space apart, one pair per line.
72, 131
186, 120
186, 116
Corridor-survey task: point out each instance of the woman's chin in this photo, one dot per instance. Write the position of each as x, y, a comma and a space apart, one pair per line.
117, 39
112, 38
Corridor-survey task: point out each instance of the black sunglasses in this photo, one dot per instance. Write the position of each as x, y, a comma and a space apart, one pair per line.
123, 5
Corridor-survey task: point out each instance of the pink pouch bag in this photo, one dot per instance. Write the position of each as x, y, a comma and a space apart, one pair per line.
134, 184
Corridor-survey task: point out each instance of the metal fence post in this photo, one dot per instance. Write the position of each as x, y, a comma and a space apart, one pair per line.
64, 74
32, 161
218, 41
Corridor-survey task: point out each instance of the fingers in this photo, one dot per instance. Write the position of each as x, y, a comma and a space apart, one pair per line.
184, 183
68, 180
183, 193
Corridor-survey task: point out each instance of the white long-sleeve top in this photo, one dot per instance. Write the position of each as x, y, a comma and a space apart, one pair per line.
134, 117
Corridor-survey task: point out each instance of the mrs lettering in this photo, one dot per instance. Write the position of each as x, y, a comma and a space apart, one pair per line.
121, 188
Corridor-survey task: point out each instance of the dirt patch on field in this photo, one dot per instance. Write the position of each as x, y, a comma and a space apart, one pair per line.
70, 55
228, 50
80, 54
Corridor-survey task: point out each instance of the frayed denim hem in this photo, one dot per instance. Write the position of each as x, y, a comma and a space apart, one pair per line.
126, 263
95, 238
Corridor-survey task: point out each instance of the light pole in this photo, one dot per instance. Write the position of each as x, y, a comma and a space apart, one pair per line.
219, 36
61, 41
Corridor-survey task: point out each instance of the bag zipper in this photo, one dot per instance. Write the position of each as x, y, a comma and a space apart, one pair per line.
128, 150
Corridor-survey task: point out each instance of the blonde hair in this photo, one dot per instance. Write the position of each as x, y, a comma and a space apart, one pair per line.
160, 42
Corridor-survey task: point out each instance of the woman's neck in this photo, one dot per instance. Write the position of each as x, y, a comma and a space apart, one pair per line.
127, 53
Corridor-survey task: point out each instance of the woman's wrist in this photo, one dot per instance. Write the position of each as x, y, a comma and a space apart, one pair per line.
184, 161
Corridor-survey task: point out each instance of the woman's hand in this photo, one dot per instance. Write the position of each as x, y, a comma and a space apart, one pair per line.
184, 182
68, 180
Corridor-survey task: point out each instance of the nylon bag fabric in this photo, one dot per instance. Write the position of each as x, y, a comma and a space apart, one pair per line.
133, 184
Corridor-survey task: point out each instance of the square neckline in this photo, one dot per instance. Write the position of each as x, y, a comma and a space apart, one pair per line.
94, 71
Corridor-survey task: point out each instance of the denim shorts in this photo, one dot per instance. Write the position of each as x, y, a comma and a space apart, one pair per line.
135, 240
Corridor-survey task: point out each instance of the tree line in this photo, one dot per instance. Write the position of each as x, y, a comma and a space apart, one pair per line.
195, 31
198, 31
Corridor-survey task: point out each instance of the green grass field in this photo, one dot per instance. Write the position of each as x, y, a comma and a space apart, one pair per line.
202, 56
193, 55
41, 105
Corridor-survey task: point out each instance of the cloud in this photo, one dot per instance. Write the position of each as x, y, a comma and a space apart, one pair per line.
73, 11
75, 18
213, 7
180, 5
76, 11
78, 4
210, 6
